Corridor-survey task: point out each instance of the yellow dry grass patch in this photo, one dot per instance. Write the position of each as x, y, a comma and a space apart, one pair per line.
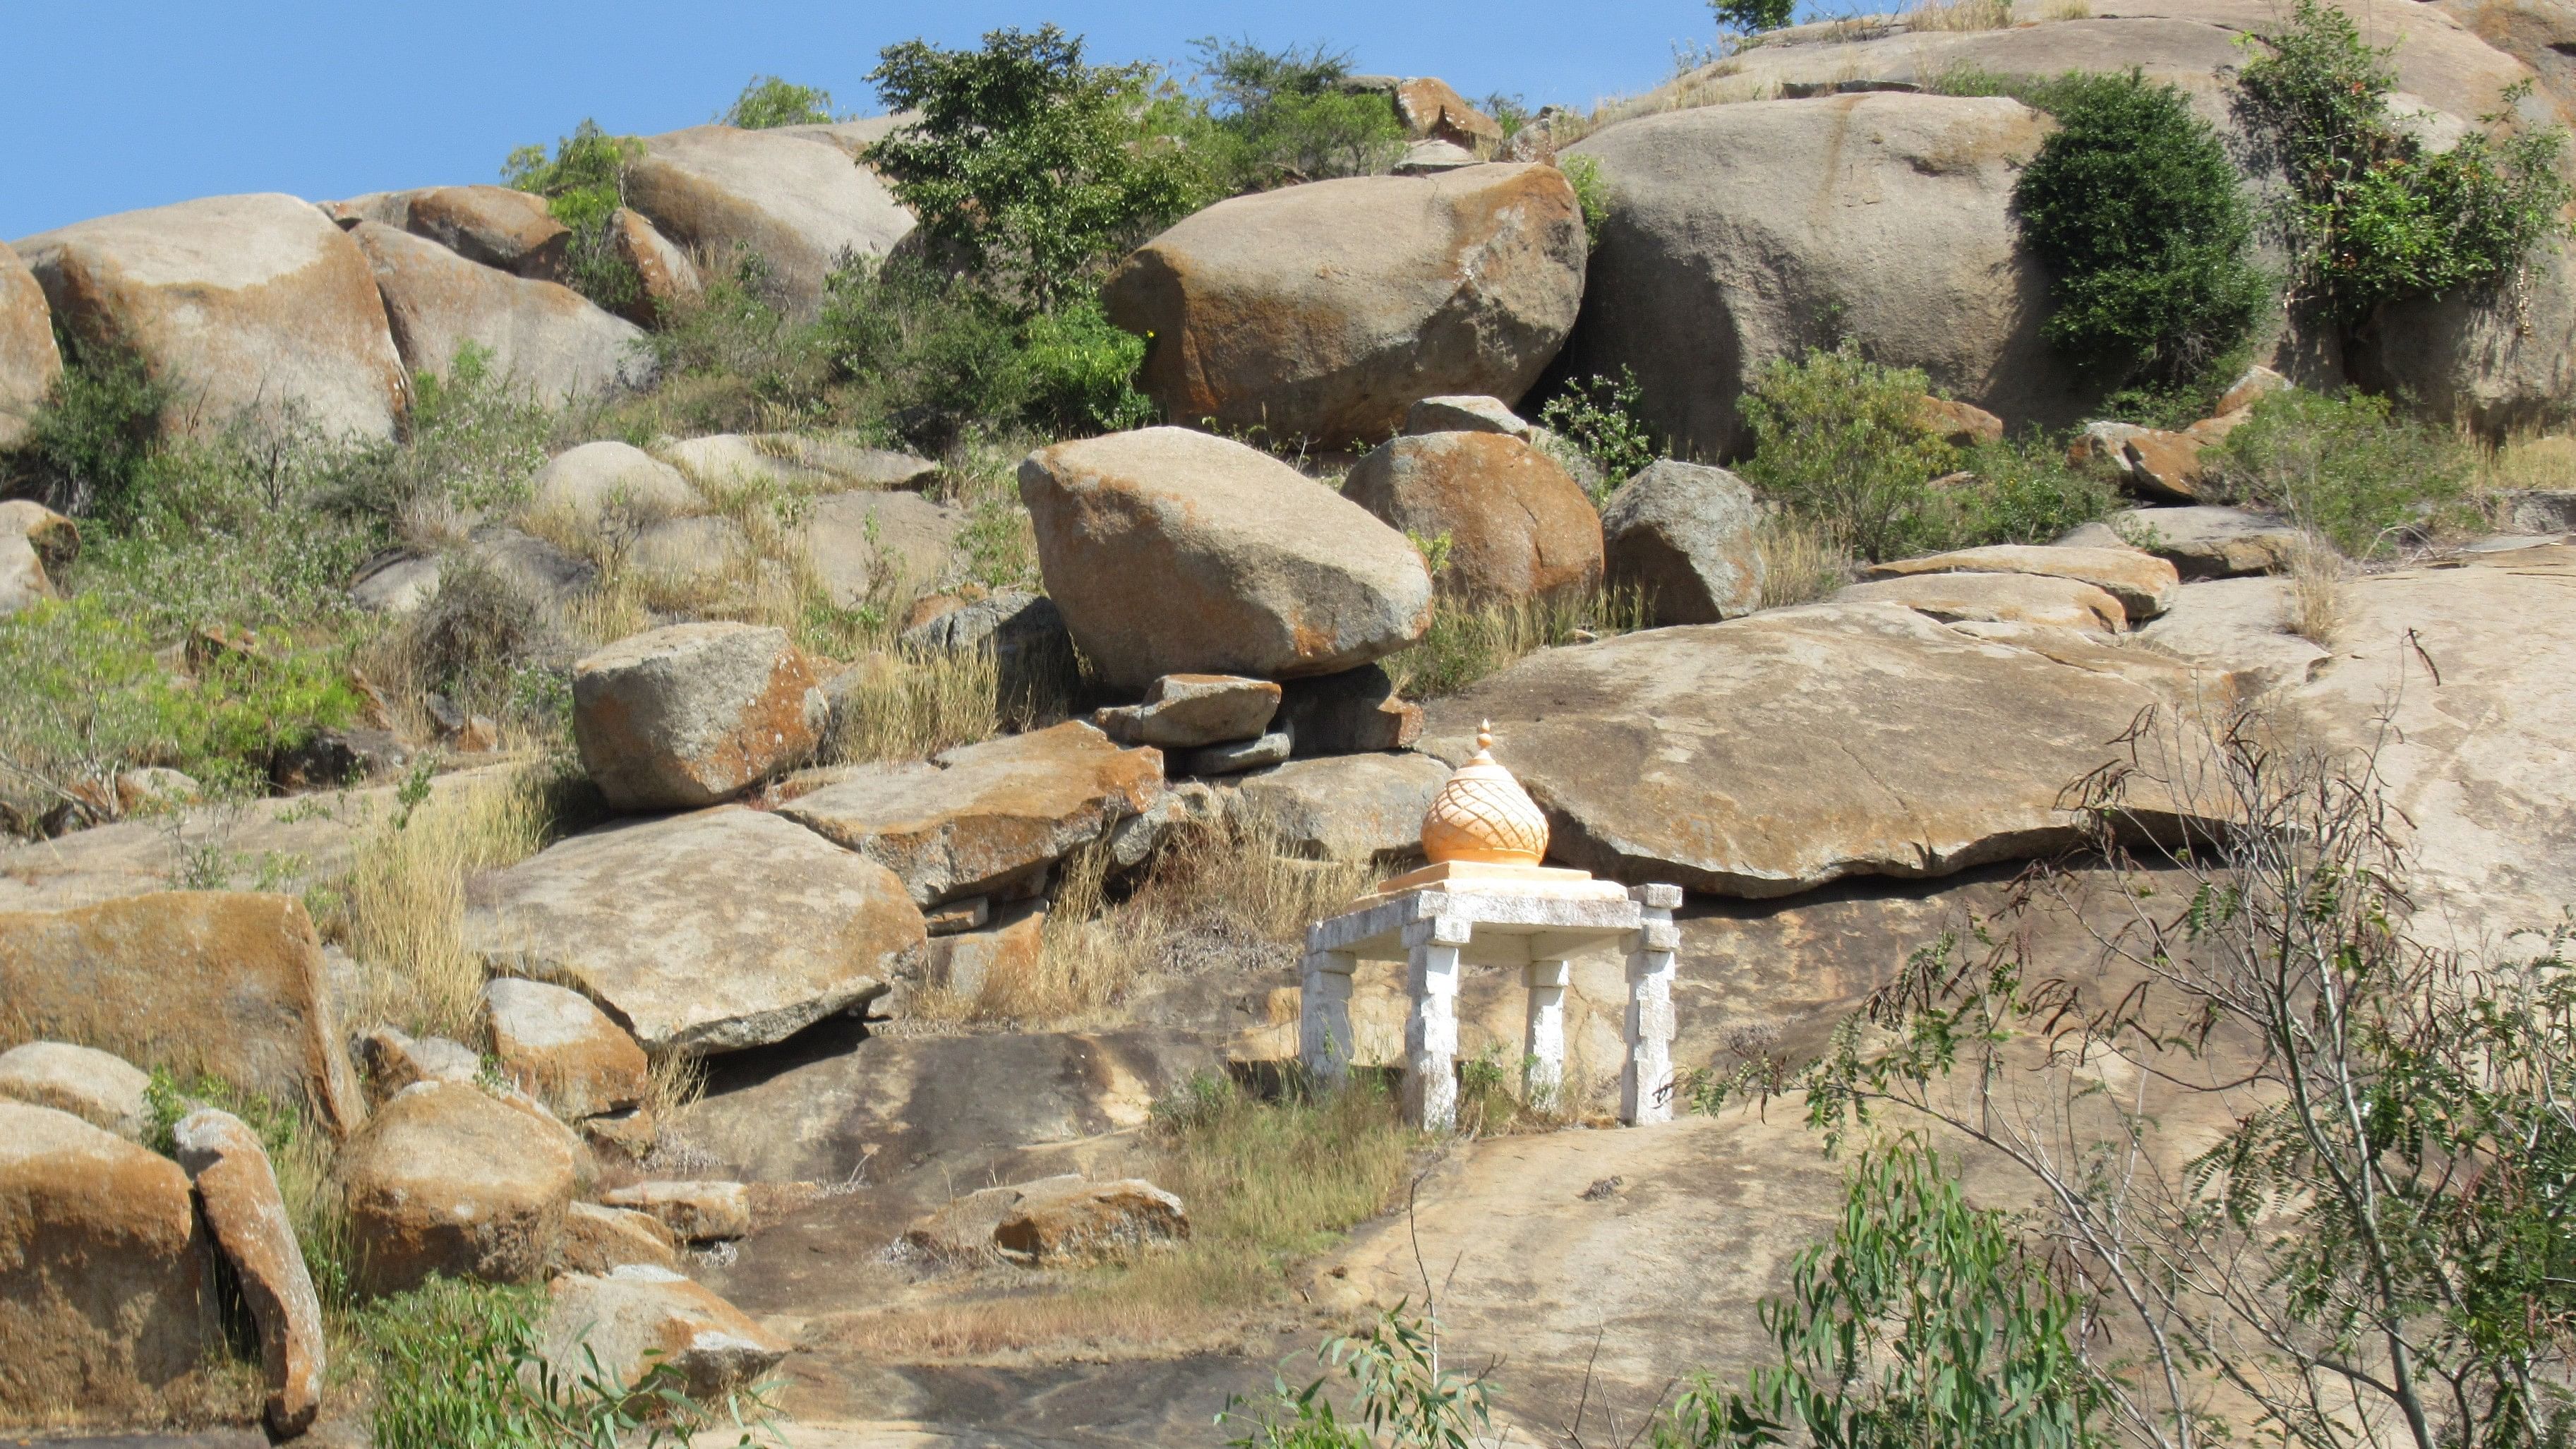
904, 704
1800, 564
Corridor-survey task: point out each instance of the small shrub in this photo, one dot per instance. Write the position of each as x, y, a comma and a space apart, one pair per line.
2139, 214
1280, 116
767, 102
2319, 595
91, 439
584, 184
470, 639
1839, 440
1082, 371
1398, 1392
476, 440
2025, 491
1591, 194
1601, 420
2346, 467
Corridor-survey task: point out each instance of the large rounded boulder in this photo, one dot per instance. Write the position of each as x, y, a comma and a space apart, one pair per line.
28, 362
1325, 310
796, 201
1518, 526
1174, 552
236, 303
542, 335
690, 714
448, 1179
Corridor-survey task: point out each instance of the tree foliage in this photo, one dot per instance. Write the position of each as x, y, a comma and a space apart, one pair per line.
584, 183
1282, 116
767, 102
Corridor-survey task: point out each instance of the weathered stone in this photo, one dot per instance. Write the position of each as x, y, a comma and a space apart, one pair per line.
395, 1060
794, 461
1355, 712
492, 226
559, 1046
1431, 109
711, 931
1344, 807
1996, 598
1773, 753
154, 788
982, 818
29, 362
600, 1239
796, 202
1173, 552
863, 543
1181, 710
1240, 755
231, 985
2144, 584
611, 484
666, 280
1684, 536
695, 1212
2163, 465
446, 1179
1518, 527
2206, 542
1959, 424
2536, 510
1326, 310
960, 964
236, 303
237, 1189
951, 917
1056, 1221
689, 714
2239, 624
639, 1317
23, 583
1731, 228
544, 336
333, 758
2256, 384
56, 539
1466, 413
100, 1088
103, 1269
1135, 839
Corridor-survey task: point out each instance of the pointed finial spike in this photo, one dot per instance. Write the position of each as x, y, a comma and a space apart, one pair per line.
1485, 735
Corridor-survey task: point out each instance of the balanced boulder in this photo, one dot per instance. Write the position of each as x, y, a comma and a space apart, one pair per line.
1517, 526
556, 1044
492, 226
29, 362
1466, 414
2144, 584
103, 1270
448, 1180
1326, 310
1685, 538
640, 1319
540, 335
795, 202
690, 714
985, 818
235, 303
229, 984
100, 1088
237, 1188
712, 931
1174, 552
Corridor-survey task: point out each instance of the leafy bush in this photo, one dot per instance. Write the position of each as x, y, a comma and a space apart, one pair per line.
1082, 370
1583, 173
1922, 1321
2347, 467
584, 184
2137, 210
1029, 162
1599, 419
476, 441
1281, 116
767, 102
1840, 440
2379, 218
1398, 1391
91, 438
2023, 491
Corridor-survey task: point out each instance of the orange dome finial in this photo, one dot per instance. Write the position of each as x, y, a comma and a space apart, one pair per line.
1483, 814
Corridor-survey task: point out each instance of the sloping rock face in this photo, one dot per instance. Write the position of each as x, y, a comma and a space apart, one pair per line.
228, 984
1325, 310
1734, 231
1682, 534
689, 714
986, 817
235, 302
723, 929
1518, 527
104, 1287
492, 226
29, 362
1695, 755
796, 201
1172, 552
100, 1088
247, 1215
545, 336
447, 1180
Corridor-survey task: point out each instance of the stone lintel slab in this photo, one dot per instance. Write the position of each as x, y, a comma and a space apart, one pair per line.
1376, 933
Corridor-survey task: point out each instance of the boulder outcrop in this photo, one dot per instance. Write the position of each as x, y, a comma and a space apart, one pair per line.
234, 303
863, 542
712, 931
2144, 584
598, 482
541, 335
448, 1180
557, 1045
29, 362
1326, 310
601, 1239
1173, 552
1684, 536
985, 818
229, 984
795, 201
491, 226
695, 1212
237, 1190
1182, 710
665, 278
689, 714
100, 1088
1342, 807
634, 1319
2205, 542
23, 581
1518, 527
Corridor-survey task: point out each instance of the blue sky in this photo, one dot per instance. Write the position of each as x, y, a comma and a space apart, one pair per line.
109, 107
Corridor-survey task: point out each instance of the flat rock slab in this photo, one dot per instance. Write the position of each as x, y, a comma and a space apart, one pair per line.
1774, 753
711, 931
2206, 541
1346, 807
977, 819
1996, 598
2242, 624
2143, 583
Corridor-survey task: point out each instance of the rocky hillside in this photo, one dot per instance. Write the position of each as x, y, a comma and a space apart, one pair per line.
693, 786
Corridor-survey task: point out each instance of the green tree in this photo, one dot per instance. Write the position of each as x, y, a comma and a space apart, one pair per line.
768, 102
1031, 163
2138, 212
1752, 17
1284, 117
584, 183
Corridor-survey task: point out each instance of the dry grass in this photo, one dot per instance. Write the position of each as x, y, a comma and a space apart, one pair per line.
904, 704
674, 1083
2320, 592
2530, 462
1958, 15
1467, 642
404, 903
1799, 563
